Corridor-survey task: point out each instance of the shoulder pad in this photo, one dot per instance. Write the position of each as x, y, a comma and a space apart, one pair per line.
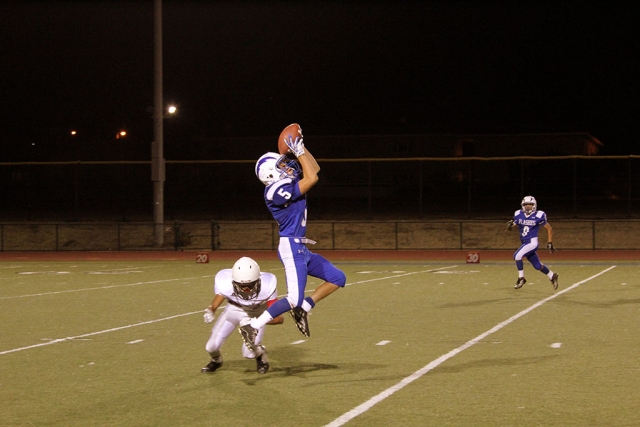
222, 283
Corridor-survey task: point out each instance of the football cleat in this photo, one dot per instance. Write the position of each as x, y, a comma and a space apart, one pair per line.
300, 317
520, 283
249, 335
212, 366
554, 281
262, 361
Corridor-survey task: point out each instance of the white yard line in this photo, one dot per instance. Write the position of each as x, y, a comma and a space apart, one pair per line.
400, 275
358, 410
104, 287
59, 340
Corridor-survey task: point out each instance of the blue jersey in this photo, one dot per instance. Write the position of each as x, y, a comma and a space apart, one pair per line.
529, 225
288, 207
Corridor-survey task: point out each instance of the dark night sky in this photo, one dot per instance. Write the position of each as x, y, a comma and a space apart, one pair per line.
380, 67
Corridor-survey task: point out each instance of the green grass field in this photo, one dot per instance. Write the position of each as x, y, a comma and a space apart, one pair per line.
404, 344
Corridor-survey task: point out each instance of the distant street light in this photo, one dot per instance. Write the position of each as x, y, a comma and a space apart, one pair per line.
121, 134
168, 112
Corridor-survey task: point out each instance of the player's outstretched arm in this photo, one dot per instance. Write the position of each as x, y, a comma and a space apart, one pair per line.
309, 173
315, 164
298, 149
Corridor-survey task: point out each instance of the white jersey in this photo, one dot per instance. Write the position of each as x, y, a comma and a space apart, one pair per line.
238, 309
223, 286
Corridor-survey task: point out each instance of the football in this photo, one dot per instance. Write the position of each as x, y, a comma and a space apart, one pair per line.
292, 130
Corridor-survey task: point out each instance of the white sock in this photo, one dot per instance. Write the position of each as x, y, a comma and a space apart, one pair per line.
262, 320
306, 306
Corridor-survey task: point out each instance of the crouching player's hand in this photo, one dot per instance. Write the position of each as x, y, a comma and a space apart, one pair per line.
208, 316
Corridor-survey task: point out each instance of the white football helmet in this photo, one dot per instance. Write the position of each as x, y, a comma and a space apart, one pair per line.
529, 205
272, 167
245, 277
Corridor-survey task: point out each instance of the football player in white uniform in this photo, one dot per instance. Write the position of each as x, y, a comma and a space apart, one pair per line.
529, 220
248, 293
285, 196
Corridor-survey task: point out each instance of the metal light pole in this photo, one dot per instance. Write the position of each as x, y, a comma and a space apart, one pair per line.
157, 155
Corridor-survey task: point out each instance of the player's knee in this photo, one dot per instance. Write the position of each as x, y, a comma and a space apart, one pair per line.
340, 280
336, 277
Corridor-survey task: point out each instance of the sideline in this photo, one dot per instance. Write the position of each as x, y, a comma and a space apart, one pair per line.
348, 416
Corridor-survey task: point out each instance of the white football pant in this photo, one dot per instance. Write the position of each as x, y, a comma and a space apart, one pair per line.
226, 323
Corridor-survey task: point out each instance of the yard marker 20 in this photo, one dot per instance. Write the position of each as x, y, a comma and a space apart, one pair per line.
202, 258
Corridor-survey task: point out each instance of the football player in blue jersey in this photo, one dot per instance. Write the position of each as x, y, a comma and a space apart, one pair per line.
287, 183
529, 220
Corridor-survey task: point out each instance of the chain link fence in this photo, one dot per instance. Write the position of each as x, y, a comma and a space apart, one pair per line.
582, 187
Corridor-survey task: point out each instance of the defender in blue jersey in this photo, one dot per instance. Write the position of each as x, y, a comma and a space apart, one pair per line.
529, 220
285, 196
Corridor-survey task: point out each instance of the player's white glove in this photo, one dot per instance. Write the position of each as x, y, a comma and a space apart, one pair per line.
296, 146
511, 224
551, 248
208, 316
